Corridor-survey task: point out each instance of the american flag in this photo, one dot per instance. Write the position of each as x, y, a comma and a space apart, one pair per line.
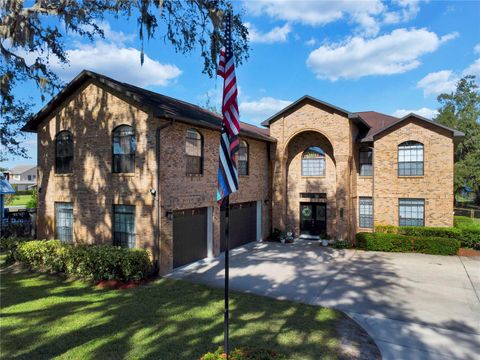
227, 166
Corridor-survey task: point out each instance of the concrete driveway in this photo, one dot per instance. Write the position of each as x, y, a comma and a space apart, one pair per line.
415, 306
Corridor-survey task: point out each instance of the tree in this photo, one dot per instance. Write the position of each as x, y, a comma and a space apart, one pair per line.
461, 110
31, 35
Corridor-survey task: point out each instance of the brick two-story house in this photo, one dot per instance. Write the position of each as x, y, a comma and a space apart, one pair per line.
124, 165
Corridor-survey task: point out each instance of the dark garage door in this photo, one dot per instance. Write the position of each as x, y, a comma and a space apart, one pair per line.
243, 224
189, 236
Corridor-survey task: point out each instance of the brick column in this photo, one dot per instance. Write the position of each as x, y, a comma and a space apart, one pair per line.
342, 195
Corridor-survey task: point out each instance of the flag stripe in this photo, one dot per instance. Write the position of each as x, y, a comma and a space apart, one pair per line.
229, 141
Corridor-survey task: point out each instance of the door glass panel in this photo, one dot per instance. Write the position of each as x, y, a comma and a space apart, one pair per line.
320, 213
306, 212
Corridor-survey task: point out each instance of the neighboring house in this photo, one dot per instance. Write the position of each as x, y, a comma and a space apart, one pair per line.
23, 177
123, 165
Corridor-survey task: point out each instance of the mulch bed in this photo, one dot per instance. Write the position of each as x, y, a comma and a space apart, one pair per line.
122, 285
468, 252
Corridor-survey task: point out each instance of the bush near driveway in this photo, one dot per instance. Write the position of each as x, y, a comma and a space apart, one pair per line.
97, 262
404, 243
466, 230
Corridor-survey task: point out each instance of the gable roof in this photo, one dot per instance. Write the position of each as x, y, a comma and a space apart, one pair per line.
388, 122
160, 105
20, 169
376, 121
353, 116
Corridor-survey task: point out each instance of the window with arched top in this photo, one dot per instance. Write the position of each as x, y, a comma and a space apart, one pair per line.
410, 158
194, 152
313, 162
124, 146
64, 152
242, 158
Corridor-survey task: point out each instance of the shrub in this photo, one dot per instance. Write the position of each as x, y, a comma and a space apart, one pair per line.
452, 233
242, 354
97, 262
342, 244
389, 229
405, 243
11, 243
436, 245
466, 230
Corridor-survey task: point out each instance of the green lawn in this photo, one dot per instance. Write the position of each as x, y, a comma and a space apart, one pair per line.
18, 200
464, 222
44, 317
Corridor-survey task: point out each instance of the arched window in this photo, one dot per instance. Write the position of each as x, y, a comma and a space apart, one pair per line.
194, 152
410, 158
124, 146
242, 157
63, 152
313, 162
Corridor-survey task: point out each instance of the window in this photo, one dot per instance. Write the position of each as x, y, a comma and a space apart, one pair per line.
366, 212
124, 226
411, 212
366, 168
313, 162
29, 177
410, 159
124, 146
194, 152
243, 158
64, 221
63, 152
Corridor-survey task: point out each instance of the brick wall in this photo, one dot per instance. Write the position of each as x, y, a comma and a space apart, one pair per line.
91, 114
181, 191
435, 186
294, 133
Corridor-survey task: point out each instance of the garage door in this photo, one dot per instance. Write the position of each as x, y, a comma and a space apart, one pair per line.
243, 224
189, 236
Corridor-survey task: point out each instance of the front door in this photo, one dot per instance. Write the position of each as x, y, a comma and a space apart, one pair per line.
313, 219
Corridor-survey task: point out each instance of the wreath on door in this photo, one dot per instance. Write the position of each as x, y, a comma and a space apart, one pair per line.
306, 211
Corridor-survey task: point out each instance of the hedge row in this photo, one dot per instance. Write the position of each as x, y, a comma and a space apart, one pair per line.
97, 262
468, 237
404, 243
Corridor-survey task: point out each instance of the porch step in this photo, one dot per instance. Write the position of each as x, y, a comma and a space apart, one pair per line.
309, 237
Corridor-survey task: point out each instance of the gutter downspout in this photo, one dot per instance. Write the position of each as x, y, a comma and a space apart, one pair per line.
158, 248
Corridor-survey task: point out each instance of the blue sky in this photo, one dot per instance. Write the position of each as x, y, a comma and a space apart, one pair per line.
393, 57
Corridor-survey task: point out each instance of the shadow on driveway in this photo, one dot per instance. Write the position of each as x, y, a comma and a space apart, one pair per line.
415, 306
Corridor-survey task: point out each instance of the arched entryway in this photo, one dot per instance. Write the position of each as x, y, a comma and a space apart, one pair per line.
310, 185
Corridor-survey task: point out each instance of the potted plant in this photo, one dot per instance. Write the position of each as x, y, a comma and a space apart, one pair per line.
325, 241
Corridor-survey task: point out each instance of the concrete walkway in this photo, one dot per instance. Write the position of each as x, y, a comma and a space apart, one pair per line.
414, 306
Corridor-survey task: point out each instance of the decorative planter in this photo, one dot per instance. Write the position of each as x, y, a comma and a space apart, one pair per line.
325, 242
282, 241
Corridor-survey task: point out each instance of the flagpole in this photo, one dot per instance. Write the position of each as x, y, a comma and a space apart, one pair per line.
226, 201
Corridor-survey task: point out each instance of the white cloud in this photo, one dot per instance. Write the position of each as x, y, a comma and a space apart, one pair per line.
368, 16
116, 61
476, 49
438, 82
310, 42
407, 10
259, 110
388, 54
473, 69
424, 111
277, 34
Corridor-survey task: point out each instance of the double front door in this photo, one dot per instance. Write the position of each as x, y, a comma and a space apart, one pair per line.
313, 219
